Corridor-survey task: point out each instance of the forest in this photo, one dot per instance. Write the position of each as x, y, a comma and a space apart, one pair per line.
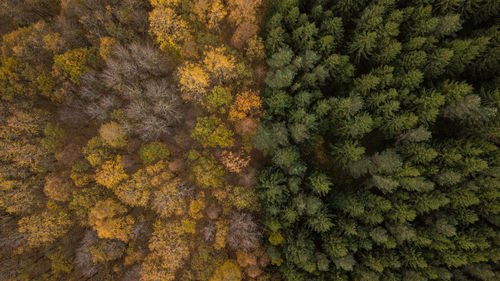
250, 140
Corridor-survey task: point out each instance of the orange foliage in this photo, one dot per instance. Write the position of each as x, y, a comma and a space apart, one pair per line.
58, 187
234, 162
246, 104
243, 10
244, 32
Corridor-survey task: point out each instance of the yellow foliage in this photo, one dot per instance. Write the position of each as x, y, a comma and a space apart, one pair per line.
229, 271
255, 48
81, 179
72, 64
106, 46
193, 81
136, 191
221, 234
276, 238
165, 3
210, 12
108, 219
111, 174
189, 225
171, 31
165, 200
195, 208
53, 42
44, 227
169, 245
152, 269
221, 66
243, 10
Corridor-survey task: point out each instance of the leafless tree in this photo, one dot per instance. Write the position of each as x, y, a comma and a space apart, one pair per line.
209, 232
243, 232
83, 258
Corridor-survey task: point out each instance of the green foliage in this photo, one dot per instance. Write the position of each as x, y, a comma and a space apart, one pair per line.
72, 64
205, 170
153, 151
218, 99
211, 132
391, 92
54, 137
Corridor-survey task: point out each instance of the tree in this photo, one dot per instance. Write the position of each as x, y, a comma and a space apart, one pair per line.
243, 10
218, 99
58, 187
210, 12
320, 183
113, 135
234, 162
244, 198
153, 151
193, 81
168, 245
205, 171
83, 201
169, 198
54, 138
211, 132
246, 104
72, 64
228, 271
111, 174
45, 227
219, 65
243, 33
270, 136
109, 219
170, 29
255, 49
135, 191
243, 232
95, 152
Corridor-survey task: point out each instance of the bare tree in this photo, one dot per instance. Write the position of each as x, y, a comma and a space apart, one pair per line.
243, 232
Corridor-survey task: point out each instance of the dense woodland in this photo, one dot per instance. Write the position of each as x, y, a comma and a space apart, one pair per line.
126, 140
259, 140
382, 126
